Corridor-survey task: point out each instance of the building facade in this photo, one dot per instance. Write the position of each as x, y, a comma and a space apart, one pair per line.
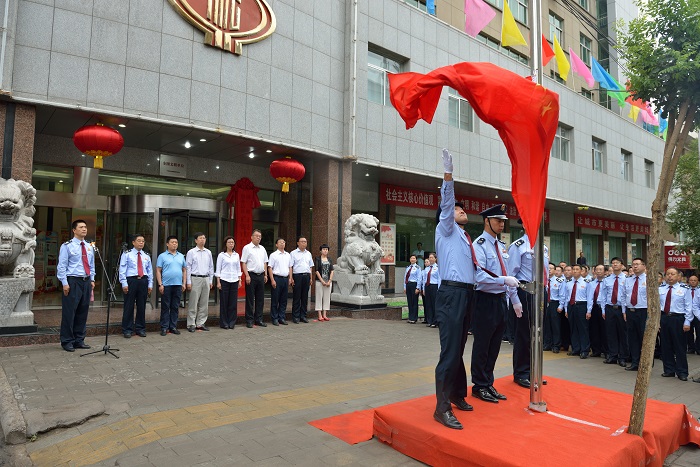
196, 118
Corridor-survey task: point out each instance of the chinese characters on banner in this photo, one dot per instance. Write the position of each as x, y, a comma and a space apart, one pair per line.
676, 258
387, 240
608, 224
402, 196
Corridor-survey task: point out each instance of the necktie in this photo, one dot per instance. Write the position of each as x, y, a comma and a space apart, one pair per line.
692, 293
667, 304
500, 258
429, 271
549, 291
86, 263
408, 273
595, 294
139, 265
635, 289
471, 247
572, 300
614, 293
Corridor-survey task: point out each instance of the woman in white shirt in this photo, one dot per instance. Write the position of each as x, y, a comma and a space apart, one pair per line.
228, 270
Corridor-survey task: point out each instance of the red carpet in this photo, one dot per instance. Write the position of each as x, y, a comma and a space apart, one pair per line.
584, 425
352, 427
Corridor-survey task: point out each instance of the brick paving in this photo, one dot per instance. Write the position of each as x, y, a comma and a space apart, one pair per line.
245, 397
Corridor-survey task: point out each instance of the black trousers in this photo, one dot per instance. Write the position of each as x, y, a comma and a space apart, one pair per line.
228, 304
170, 306
616, 328
431, 291
412, 299
452, 310
138, 293
254, 298
511, 326
673, 344
580, 341
279, 297
74, 311
693, 336
552, 326
488, 325
596, 331
521, 345
636, 323
565, 330
300, 300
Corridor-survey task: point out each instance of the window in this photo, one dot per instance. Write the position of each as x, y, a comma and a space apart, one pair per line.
586, 93
560, 148
649, 173
556, 76
377, 83
460, 112
598, 155
585, 49
584, 4
497, 3
519, 9
497, 46
420, 4
556, 28
626, 165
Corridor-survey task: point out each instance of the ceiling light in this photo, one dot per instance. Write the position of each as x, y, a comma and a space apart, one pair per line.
60, 181
217, 167
127, 188
121, 125
367, 174
188, 194
203, 140
496, 196
157, 158
251, 155
269, 151
148, 165
187, 144
205, 171
83, 155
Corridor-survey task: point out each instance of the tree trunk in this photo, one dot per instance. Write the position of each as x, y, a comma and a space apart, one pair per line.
673, 150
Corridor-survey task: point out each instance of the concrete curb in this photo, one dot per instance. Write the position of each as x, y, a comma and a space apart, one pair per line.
11, 419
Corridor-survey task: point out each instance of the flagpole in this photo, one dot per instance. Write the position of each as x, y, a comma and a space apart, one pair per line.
537, 404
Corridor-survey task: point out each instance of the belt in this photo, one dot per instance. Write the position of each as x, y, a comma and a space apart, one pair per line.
462, 285
302, 273
283, 277
524, 282
82, 278
502, 294
636, 309
250, 272
554, 301
580, 302
674, 314
199, 275
412, 282
614, 307
144, 276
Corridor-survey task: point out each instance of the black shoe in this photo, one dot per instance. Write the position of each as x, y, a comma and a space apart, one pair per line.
668, 375
690, 351
141, 333
174, 331
261, 324
249, 325
203, 328
433, 325
484, 395
283, 322
295, 321
224, 327
555, 349
448, 419
547, 349
610, 361
461, 404
632, 368
584, 356
595, 354
497, 394
163, 332
622, 363
683, 377
191, 328
524, 382
275, 323
127, 335
68, 348
303, 320
82, 345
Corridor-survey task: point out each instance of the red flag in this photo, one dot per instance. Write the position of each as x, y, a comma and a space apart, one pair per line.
525, 114
547, 52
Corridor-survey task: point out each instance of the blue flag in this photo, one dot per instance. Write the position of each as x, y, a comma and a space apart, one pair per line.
603, 77
430, 6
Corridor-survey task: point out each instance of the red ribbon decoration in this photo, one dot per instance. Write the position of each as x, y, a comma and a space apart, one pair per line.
244, 198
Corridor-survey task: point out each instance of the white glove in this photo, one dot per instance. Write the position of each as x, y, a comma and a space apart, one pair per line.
511, 281
518, 308
447, 161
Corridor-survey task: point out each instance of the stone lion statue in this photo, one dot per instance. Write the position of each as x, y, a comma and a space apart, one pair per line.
17, 236
361, 253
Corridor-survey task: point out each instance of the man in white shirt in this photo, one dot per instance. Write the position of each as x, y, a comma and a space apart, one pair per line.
279, 280
254, 266
200, 280
300, 270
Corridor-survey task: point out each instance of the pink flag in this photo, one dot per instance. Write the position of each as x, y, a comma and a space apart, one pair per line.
581, 69
477, 14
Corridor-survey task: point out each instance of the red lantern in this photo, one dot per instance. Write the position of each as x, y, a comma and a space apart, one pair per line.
98, 141
287, 170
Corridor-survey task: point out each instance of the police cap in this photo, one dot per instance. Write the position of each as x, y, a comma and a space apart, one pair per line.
439, 210
496, 212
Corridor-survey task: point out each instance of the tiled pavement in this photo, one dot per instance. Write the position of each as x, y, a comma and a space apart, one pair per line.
244, 397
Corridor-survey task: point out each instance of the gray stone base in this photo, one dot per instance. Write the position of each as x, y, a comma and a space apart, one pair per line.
357, 290
16, 302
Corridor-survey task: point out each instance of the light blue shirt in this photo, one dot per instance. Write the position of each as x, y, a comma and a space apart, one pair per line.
451, 244
521, 259
171, 266
301, 261
605, 297
641, 291
434, 276
414, 275
581, 292
487, 256
128, 266
681, 301
591, 292
70, 261
556, 285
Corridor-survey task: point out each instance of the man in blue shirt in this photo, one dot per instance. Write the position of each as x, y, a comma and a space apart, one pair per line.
636, 310
676, 315
76, 271
171, 274
429, 289
612, 302
136, 277
452, 306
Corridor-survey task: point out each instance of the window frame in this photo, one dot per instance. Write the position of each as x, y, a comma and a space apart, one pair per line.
649, 173
386, 100
453, 97
626, 165
558, 28
585, 50
598, 147
562, 140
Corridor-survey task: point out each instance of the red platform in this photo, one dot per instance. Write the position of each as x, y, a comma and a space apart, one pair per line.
584, 425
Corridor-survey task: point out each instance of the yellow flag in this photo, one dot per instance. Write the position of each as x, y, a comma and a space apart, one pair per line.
634, 112
562, 62
510, 34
